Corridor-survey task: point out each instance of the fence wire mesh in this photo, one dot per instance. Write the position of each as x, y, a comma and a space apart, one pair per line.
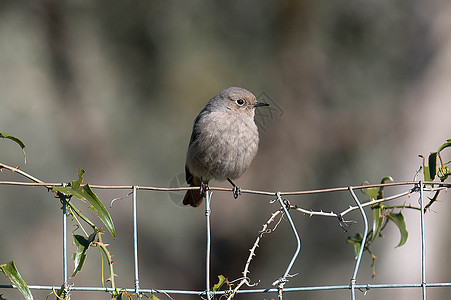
279, 287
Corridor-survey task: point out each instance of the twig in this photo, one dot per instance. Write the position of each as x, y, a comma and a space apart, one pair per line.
245, 279
108, 256
16, 170
352, 208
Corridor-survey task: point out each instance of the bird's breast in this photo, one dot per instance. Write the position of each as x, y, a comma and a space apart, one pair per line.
224, 146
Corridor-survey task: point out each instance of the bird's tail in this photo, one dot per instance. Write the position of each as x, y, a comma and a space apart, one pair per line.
193, 197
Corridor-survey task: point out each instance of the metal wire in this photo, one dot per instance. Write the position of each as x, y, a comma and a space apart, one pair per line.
352, 286
247, 291
423, 243
208, 252
65, 245
365, 233
135, 238
281, 282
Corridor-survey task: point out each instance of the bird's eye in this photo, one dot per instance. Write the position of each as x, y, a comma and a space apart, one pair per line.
240, 102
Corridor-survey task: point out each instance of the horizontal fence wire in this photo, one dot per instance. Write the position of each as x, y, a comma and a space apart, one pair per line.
247, 291
279, 288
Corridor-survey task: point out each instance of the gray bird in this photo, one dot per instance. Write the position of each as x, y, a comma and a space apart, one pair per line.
223, 142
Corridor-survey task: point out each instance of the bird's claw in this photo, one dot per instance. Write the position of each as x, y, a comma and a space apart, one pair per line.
236, 190
203, 188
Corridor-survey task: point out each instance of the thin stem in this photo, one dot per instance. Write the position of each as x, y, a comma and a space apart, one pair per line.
402, 206
18, 171
101, 267
72, 212
103, 247
264, 230
79, 214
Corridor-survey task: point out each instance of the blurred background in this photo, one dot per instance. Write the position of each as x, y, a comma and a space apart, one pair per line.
359, 89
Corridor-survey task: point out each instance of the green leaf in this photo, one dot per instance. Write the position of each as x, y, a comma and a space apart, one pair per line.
221, 281
357, 242
120, 294
380, 194
373, 264
444, 145
82, 244
12, 138
386, 178
378, 220
428, 176
426, 173
154, 298
61, 293
84, 192
372, 192
377, 193
432, 162
398, 219
102, 212
18, 141
10, 270
443, 173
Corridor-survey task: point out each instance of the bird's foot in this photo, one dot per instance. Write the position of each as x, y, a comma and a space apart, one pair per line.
203, 188
236, 190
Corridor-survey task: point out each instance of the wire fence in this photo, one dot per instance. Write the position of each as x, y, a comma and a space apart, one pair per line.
286, 209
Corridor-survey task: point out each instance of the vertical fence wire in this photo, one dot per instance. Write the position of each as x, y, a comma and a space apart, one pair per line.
283, 280
65, 278
135, 237
208, 252
362, 246
423, 243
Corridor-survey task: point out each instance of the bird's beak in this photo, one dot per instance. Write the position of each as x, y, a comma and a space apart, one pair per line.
257, 104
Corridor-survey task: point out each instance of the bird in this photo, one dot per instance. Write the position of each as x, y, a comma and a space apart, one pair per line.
223, 142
